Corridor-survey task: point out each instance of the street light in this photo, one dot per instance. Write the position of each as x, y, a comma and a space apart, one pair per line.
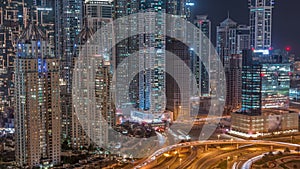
218, 137
180, 161
227, 166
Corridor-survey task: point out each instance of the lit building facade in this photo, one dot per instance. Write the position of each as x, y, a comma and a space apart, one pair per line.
175, 102
242, 38
13, 19
232, 39
176, 98
202, 42
92, 83
265, 82
68, 24
13, 16
147, 89
79, 130
151, 77
261, 23
124, 48
251, 85
98, 13
275, 79
265, 96
234, 84
224, 41
90, 122
37, 107
268, 124
295, 81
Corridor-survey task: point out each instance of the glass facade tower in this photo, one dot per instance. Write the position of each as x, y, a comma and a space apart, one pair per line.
147, 89
265, 82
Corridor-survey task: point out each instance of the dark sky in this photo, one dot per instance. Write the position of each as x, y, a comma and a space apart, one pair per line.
286, 18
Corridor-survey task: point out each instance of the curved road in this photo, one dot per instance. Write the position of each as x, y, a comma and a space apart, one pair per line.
209, 142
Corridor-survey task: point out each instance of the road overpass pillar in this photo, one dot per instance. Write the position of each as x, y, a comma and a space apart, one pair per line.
206, 147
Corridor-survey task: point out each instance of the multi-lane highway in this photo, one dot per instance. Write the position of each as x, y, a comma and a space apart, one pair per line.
201, 155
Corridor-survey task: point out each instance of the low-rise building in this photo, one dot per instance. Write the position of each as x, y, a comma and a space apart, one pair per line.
270, 122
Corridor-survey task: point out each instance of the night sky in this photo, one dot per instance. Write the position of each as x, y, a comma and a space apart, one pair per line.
286, 18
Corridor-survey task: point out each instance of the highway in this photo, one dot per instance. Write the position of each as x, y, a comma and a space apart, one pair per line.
247, 164
193, 160
187, 161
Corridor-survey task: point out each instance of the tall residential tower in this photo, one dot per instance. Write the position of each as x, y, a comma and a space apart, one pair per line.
203, 42
37, 108
68, 24
90, 125
261, 23
231, 40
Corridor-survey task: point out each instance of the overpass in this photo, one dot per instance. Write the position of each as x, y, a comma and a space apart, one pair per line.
214, 142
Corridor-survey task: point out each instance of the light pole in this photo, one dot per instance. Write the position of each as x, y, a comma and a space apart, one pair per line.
218, 137
227, 165
180, 161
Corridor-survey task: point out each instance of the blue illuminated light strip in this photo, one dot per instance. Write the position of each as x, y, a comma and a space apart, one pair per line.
42, 66
189, 4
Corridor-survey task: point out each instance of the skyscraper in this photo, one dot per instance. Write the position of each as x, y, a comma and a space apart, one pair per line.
203, 42
97, 16
261, 23
79, 137
148, 87
91, 81
124, 48
232, 39
97, 13
234, 83
266, 82
37, 101
13, 16
224, 40
265, 97
13, 19
68, 19
151, 83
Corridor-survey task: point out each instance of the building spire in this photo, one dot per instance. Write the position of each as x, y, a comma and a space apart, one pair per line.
31, 31
85, 33
228, 14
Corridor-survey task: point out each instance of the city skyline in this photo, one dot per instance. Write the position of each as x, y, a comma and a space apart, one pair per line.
283, 35
129, 84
